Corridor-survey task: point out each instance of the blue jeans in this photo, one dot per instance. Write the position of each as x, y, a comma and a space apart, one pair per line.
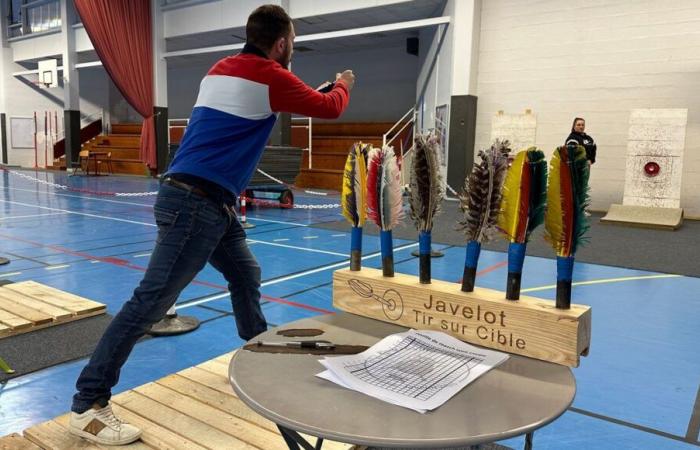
191, 231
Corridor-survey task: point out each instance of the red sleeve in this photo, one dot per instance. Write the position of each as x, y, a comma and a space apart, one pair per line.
289, 94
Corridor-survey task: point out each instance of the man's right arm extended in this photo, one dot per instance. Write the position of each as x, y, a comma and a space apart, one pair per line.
289, 94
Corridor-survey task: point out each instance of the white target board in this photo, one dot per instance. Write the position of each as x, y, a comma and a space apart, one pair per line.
654, 164
519, 129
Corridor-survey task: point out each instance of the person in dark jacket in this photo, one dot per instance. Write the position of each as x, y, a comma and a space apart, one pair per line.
578, 136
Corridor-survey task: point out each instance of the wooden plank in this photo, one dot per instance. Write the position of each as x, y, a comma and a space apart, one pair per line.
50, 324
178, 422
530, 326
25, 312
51, 435
138, 445
13, 321
5, 330
155, 435
56, 297
212, 397
53, 311
230, 404
218, 419
216, 368
209, 379
16, 442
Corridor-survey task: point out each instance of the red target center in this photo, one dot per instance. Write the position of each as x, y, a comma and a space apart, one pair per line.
652, 169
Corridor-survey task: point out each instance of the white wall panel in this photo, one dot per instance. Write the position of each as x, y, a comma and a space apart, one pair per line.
600, 60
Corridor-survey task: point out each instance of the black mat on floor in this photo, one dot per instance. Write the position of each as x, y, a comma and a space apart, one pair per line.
36, 350
676, 252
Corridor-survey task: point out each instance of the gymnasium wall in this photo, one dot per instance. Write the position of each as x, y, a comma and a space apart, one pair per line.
597, 60
384, 90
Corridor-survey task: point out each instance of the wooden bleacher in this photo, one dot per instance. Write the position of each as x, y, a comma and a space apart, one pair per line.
123, 143
331, 142
195, 408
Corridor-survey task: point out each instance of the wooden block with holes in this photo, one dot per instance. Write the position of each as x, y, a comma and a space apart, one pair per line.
28, 306
530, 326
193, 409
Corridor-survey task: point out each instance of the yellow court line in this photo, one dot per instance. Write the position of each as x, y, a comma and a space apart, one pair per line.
605, 280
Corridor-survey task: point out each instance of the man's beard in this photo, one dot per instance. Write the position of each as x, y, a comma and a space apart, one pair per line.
286, 59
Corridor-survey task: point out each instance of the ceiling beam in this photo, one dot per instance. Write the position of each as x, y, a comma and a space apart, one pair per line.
411, 24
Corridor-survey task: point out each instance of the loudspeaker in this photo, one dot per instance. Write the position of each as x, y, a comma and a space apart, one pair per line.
462, 133
412, 46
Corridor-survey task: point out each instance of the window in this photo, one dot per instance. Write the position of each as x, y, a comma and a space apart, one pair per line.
32, 16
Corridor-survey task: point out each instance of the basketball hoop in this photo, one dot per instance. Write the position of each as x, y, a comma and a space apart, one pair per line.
48, 73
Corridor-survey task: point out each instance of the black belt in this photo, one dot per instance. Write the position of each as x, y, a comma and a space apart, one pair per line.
185, 186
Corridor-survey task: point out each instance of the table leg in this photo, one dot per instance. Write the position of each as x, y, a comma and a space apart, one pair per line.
294, 440
528, 440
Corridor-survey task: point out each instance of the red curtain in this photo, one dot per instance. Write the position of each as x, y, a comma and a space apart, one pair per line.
120, 31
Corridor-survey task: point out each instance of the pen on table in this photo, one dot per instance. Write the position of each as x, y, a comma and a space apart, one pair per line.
298, 344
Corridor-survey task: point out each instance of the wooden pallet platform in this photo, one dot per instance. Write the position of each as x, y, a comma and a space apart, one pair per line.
28, 306
15, 441
193, 409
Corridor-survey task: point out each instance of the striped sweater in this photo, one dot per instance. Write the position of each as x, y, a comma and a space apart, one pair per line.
235, 111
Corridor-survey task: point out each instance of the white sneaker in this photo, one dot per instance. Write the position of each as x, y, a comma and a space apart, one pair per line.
103, 427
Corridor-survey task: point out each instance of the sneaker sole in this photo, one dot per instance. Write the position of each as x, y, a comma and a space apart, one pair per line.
93, 438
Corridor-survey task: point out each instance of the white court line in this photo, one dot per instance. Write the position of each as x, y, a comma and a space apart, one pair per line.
277, 221
153, 225
291, 277
95, 199
10, 274
146, 205
31, 215
62, 266
310, 237
79, 214
141, 255
337, 235
280, 240
299, 248
94, 261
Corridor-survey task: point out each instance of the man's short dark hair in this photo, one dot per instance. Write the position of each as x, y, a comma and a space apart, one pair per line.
267, 24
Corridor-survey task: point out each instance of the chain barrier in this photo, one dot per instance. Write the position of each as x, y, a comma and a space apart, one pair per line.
252, 201
75, 189
273, 204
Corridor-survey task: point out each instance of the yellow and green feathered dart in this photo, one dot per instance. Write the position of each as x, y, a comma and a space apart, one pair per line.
522, 210
353, 200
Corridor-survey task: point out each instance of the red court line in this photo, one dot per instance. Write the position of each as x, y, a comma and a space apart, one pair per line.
124, 263
489, 269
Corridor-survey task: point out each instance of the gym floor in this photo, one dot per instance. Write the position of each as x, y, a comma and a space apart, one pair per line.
638, 388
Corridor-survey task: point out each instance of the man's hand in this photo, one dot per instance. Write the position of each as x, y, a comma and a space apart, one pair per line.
348, 77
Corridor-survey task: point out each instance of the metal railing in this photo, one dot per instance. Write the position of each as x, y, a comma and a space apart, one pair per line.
407, 120
309, 127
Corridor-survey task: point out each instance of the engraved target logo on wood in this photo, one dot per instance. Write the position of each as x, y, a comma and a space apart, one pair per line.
392, 303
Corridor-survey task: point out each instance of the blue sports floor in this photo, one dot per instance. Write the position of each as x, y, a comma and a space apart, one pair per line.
638, 389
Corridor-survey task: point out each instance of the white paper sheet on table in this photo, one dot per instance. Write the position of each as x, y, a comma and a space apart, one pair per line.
419, 370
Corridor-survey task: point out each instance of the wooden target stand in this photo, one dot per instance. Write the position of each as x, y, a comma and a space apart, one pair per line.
529, 326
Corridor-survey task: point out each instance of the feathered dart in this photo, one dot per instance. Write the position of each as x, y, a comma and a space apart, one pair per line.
354, 200
384, 202
565, 219
426, 195
480, 202
522, 210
